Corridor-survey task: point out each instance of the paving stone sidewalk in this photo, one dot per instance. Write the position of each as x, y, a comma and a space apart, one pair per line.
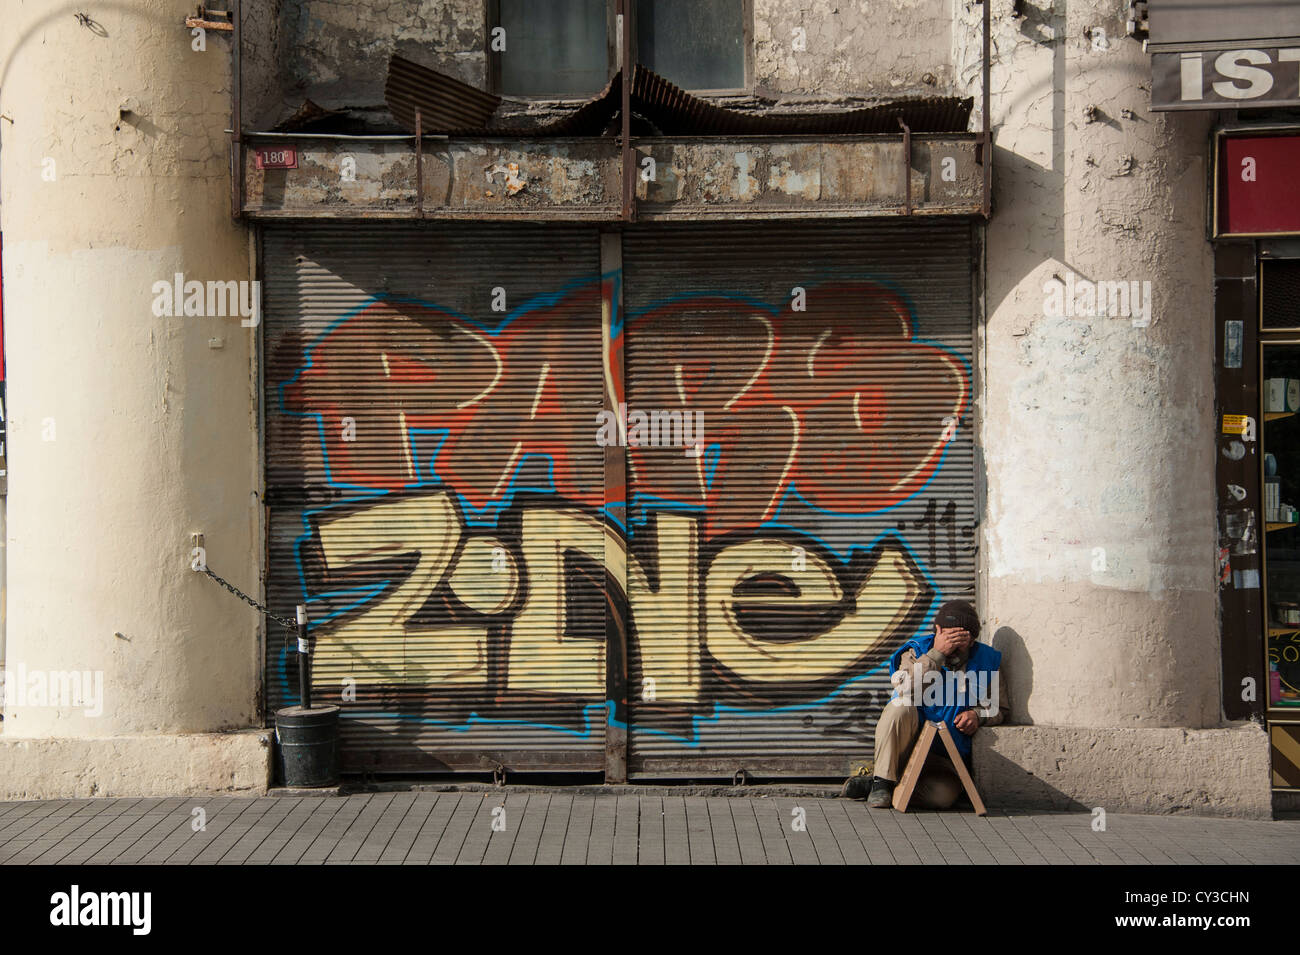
555, 827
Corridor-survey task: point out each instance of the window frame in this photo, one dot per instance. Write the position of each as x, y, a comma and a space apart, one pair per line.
492, 19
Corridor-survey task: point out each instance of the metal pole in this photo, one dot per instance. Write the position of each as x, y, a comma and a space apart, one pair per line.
624, 13
985, 18
304, 659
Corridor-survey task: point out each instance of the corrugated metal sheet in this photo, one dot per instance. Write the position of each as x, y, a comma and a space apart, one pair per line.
440, 490
832, 508
449, 106
427, 389
445, 103
677, 113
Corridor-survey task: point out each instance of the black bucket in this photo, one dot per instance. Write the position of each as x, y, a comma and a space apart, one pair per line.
309, 746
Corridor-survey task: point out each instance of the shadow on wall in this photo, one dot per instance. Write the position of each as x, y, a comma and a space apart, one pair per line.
1018, 671
1017, 787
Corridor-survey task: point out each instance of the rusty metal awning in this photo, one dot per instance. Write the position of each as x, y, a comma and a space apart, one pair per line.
447, 105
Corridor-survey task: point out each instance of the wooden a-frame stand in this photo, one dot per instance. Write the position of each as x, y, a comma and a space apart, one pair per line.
907, 785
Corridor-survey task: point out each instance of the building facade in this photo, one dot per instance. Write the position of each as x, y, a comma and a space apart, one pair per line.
618, 384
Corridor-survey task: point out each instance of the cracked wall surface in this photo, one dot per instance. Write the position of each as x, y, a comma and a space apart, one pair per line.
335, 52
1099, 536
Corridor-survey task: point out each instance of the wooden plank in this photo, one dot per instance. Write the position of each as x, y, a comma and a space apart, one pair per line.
962, 772
912, 772
550, 848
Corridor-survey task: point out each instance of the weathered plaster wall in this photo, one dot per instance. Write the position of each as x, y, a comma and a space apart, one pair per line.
127, 431
863, 47
1098, 435
1223, 772
337, 54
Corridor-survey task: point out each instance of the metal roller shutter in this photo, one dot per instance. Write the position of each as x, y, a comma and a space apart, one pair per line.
830, 508
434, 488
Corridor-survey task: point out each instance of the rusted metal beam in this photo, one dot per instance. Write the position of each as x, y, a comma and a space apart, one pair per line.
419, 164
907, 167
625, 72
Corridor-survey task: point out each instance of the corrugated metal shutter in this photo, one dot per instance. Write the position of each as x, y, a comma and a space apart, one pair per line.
832, 508
434, 488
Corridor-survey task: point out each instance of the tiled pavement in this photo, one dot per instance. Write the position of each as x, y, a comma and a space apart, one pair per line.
549, 827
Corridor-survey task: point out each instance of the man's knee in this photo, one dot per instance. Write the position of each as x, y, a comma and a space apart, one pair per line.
899, 718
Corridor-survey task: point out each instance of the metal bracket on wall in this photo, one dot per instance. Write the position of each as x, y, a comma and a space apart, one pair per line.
210, 20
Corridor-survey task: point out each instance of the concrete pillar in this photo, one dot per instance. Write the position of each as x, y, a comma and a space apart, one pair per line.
1098, 432
128, 430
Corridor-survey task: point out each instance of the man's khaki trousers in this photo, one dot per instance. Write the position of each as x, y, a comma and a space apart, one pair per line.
896, 733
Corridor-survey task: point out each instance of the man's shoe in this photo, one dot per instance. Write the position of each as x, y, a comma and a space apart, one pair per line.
882, 794
856, 787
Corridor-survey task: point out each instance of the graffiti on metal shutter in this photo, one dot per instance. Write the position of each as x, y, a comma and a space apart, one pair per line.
499, 589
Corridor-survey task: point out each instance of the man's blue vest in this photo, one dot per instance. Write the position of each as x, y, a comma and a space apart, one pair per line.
983, 662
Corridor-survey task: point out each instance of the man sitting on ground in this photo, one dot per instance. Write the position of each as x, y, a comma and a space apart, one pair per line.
937, 678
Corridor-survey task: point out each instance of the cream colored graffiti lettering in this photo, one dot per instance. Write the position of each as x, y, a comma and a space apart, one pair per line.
486, 577
886, 597
668, 619
378, 646
542, 656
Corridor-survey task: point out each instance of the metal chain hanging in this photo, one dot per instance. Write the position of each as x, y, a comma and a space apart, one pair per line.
282, 621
